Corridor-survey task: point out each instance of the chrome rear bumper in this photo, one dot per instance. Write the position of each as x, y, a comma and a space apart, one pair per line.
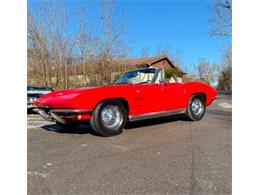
59, 114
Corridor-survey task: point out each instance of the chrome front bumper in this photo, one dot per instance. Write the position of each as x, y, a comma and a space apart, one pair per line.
43, 114
60, 114
30, 106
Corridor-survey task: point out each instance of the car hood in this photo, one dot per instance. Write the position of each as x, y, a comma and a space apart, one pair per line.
66, 98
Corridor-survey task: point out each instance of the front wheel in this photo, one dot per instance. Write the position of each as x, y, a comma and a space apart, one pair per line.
109, 118
196, 108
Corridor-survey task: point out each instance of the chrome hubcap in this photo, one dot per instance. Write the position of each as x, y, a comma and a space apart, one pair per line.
197, 107
111, 117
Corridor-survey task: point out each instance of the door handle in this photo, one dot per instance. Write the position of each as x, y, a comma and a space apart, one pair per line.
138, 91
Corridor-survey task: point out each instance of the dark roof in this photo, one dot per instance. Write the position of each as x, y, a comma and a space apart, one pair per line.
147, 61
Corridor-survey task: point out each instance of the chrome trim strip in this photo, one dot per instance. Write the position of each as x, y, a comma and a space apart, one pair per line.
156, 114
69, 111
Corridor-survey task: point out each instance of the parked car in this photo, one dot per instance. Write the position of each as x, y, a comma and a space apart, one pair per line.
137, 95
33, 93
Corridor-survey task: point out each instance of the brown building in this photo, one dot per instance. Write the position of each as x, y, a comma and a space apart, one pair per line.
159, 62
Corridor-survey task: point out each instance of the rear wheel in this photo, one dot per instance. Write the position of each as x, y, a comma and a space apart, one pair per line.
196, 108
109, 118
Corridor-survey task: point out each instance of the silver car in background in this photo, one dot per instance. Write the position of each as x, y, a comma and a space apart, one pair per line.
33, 93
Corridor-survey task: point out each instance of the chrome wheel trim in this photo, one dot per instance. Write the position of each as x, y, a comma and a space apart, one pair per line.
111, 116
197, 107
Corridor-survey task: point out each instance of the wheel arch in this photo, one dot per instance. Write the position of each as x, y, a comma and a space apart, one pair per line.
123, 100
204, 95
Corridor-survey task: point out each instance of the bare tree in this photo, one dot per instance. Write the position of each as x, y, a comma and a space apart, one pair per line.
208, 72
85, 48
61, 58
145, 52
37, 52
112, 30
162, 50
176, 55
221, 24
226, 56
225, 76
51, 46
46, 44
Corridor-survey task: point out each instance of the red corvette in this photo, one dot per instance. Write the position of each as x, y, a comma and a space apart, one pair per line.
137, 95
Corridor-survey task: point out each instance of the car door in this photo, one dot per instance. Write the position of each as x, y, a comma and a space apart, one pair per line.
148, 98
174, 96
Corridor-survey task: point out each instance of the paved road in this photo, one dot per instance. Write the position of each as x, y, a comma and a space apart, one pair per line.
159, 156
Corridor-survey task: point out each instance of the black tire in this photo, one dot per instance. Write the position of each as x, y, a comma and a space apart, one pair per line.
29, 111
109, 118
71, 126
196, 113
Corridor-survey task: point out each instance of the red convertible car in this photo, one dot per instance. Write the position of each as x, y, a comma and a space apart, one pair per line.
137, 95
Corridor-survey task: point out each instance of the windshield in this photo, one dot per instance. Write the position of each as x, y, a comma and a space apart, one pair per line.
137, 76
